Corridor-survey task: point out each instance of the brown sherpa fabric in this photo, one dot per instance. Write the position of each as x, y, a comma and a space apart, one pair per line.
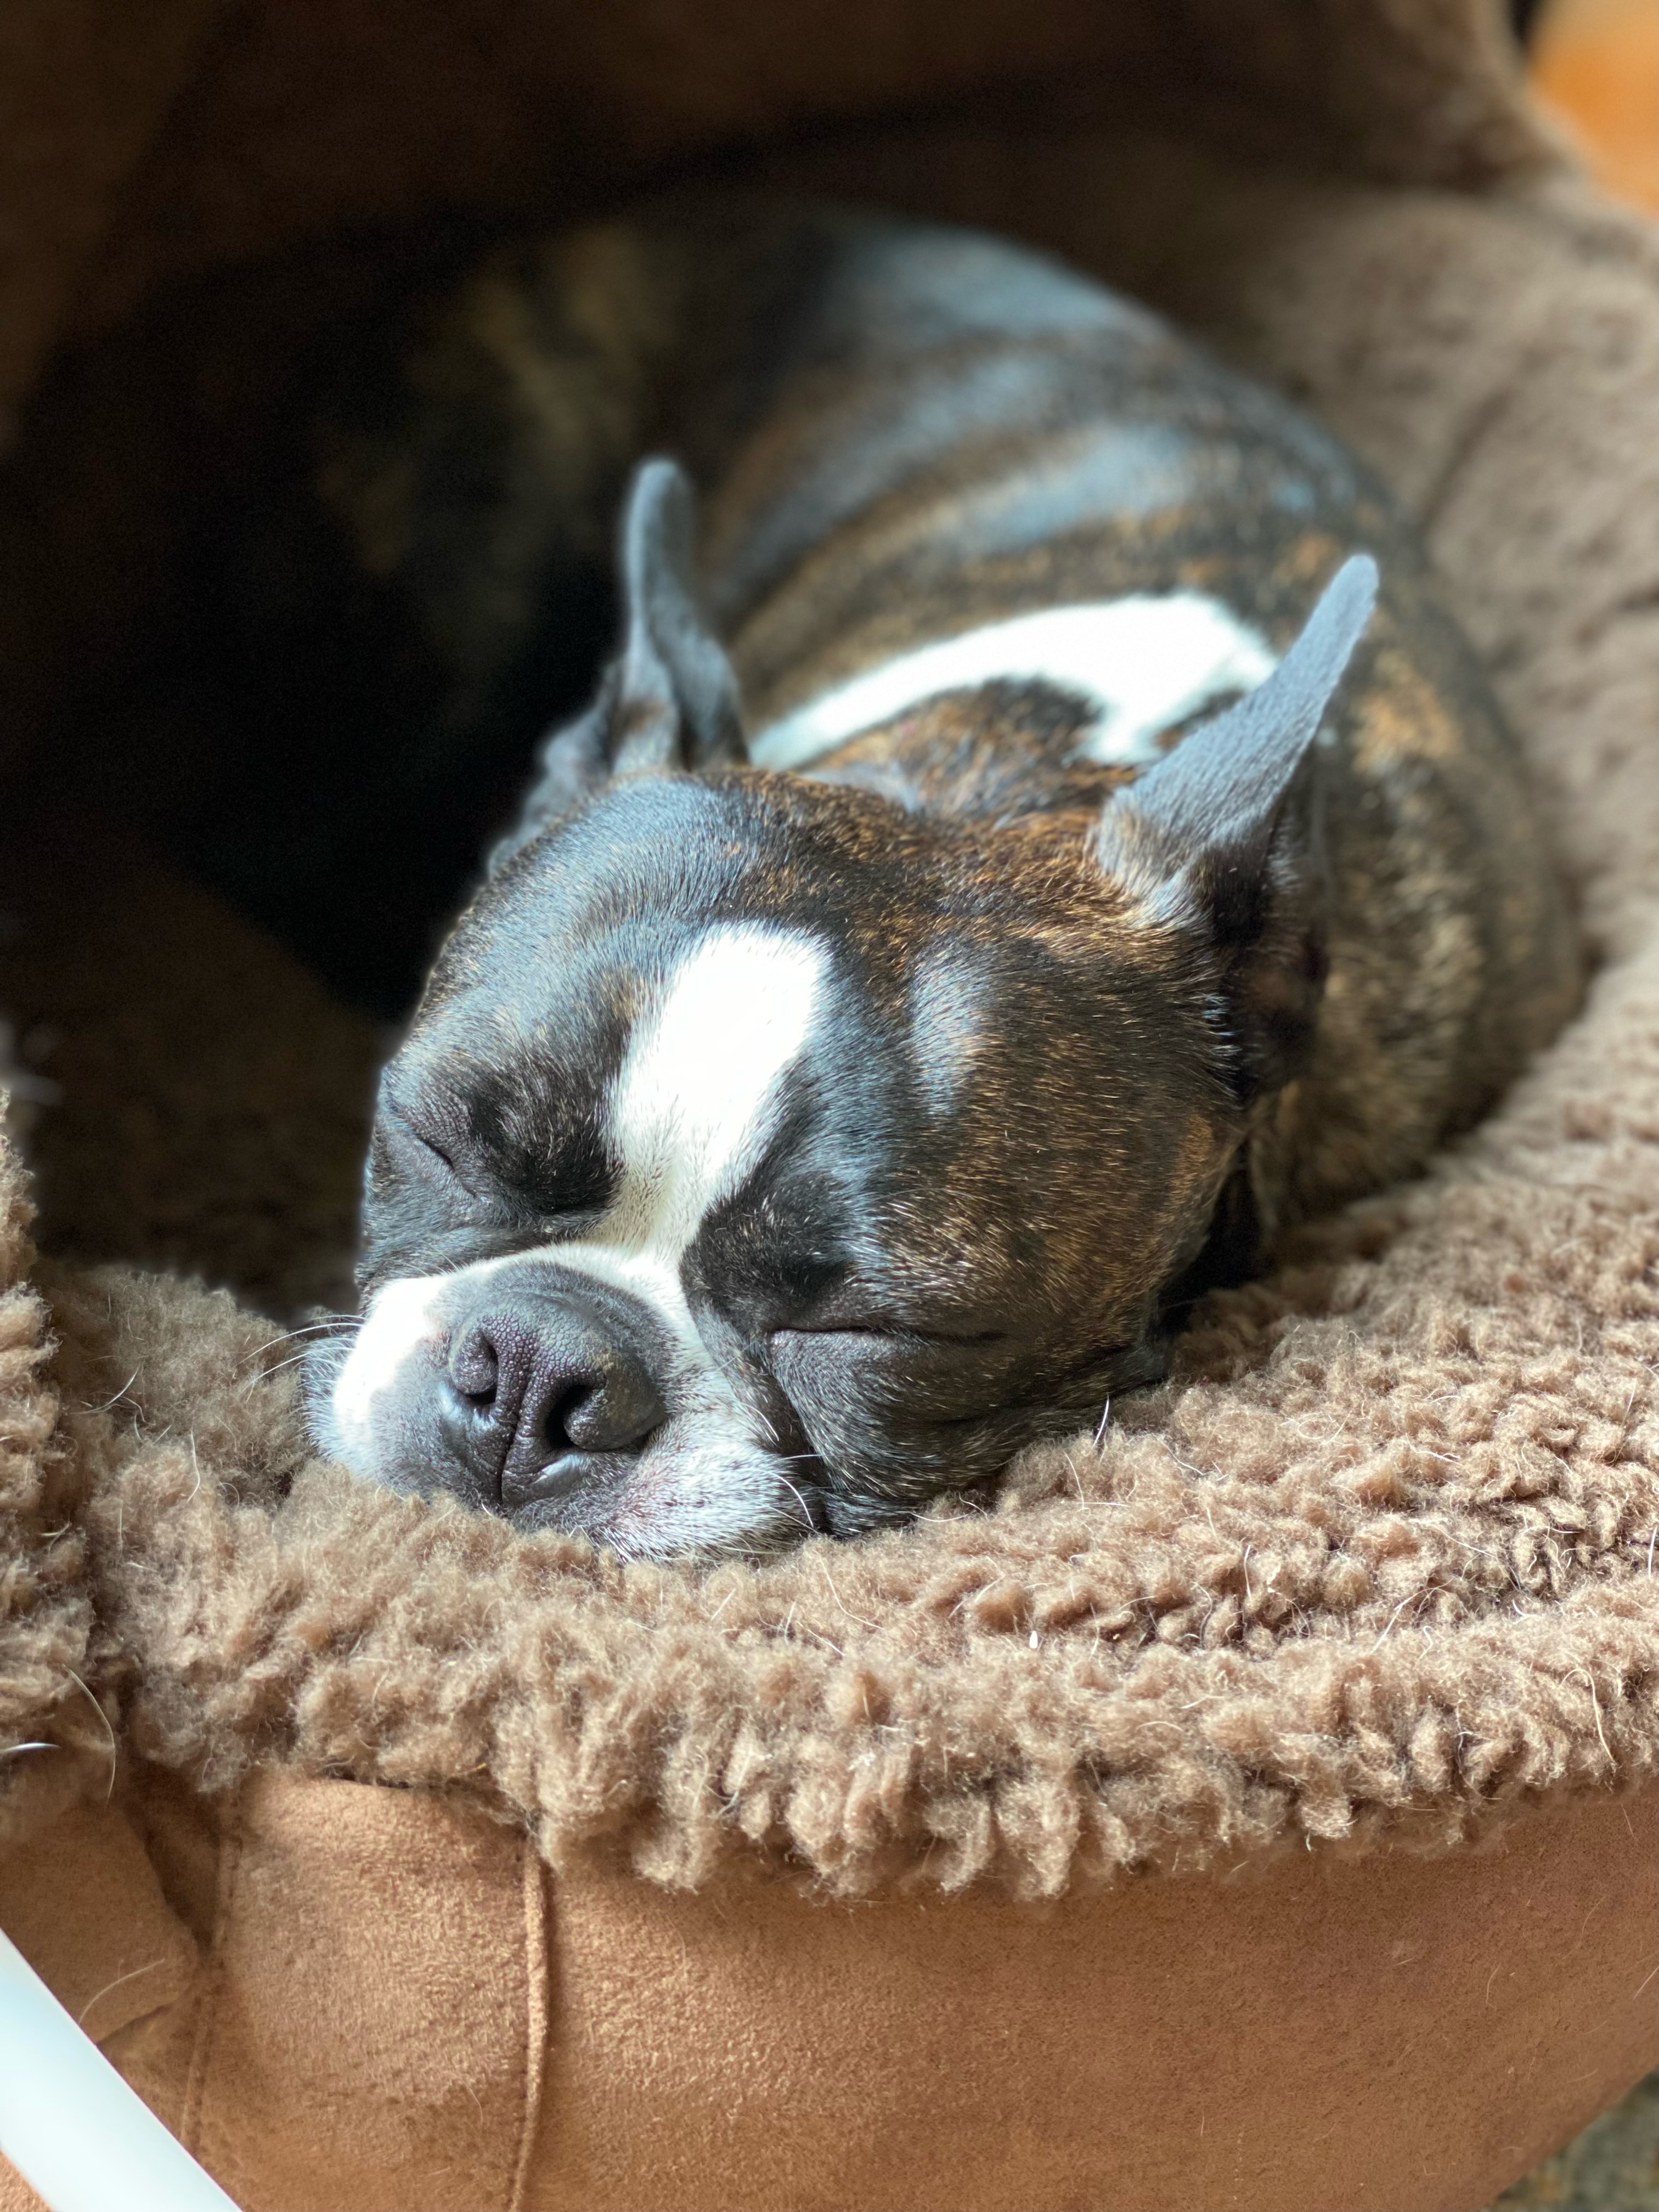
56, 1735
211, 1099
1375, 1567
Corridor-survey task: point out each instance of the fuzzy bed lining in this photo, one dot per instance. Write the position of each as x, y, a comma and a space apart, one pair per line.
1378, 1565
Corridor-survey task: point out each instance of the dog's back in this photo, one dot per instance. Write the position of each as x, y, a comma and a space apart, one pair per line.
983, 538
976, 534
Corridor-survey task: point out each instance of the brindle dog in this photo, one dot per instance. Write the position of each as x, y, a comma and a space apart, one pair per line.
976, 912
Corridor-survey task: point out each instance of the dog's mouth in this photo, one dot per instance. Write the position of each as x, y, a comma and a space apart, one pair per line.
694, 1498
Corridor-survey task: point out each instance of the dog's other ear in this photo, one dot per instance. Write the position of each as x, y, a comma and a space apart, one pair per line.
670, 699
677, 698
1223, 838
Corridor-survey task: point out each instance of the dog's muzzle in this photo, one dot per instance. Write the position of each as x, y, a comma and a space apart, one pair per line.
543, 1379
517, 1384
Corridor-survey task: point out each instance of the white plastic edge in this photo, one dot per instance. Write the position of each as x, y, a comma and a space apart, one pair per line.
71, 2125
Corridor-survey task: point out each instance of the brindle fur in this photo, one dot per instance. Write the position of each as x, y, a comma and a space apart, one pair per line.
900, 431
1048, 1110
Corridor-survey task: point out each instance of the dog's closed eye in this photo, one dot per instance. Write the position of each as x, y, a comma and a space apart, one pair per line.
523, 1167
431, 1144
417, 1145
893, 1329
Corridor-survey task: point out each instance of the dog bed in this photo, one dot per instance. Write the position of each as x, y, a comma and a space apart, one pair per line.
1257, 1808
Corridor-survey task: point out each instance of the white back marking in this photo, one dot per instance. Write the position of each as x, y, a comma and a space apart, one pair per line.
1146, 662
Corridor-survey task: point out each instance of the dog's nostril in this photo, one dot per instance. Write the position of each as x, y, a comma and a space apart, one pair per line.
615, 1411
475, 1369
556, 1431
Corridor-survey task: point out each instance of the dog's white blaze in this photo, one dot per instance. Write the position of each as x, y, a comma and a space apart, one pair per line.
697, 1094
690, 1112
1146, 663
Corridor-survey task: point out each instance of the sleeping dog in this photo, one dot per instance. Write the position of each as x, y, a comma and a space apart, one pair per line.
1019, 861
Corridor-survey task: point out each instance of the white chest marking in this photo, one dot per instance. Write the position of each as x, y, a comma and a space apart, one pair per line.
1146, 662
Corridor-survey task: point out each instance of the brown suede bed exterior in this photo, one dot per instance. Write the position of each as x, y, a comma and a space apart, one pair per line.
397, 2007
1256, 1810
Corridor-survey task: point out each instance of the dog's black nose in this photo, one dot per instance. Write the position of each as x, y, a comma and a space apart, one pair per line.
537, 1389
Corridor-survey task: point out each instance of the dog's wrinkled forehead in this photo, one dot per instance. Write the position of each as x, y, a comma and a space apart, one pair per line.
568, 951
716, 890
632, 994
685, 981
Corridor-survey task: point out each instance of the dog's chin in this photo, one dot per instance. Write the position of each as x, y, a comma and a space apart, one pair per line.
688, 1505
690, 1499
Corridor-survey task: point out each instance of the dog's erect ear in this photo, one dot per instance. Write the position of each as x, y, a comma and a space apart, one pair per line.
677, 698
670, 699
1223, 837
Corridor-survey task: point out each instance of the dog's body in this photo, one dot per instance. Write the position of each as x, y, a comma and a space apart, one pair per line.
795, 1126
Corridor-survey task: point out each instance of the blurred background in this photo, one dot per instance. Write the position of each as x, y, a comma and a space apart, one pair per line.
1594, 66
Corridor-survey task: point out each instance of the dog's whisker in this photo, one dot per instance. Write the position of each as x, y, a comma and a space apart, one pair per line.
805, 1509
332, 1324
292, 1360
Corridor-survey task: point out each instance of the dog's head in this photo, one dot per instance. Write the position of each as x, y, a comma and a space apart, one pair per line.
763, 1157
